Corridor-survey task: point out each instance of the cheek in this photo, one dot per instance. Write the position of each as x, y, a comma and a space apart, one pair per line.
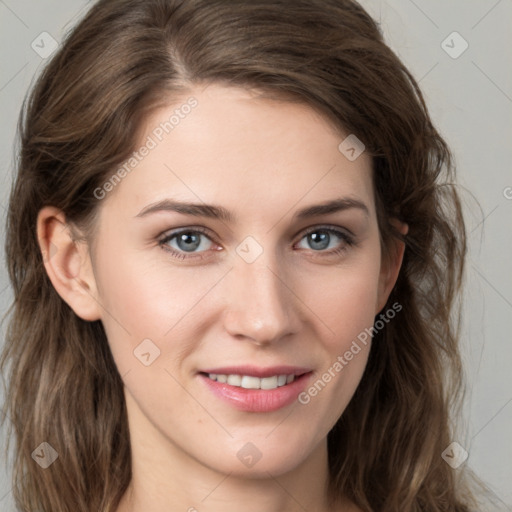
143, 298
346, 306
344, 300
142, 295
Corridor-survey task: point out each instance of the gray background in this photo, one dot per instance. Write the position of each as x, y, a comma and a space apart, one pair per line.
470, 99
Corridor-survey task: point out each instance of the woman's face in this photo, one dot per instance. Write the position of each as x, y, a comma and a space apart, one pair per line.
261, 285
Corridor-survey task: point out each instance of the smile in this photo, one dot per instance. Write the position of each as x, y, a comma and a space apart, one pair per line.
253, 389
250, 382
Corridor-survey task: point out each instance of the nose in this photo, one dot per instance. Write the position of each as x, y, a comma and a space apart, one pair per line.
261, 306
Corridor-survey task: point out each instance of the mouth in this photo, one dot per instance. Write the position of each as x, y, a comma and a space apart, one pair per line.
253, 389
251, 382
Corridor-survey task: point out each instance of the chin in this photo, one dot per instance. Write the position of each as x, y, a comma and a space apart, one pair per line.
256, 459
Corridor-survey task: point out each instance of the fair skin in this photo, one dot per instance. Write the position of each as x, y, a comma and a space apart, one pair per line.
297, 304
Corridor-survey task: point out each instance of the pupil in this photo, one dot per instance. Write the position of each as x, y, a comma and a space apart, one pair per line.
187, 238
321, 238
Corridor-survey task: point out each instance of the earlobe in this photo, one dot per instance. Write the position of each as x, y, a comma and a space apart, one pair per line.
391, 265
67, 263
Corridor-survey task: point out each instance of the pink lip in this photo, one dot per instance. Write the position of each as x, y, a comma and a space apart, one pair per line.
258, 400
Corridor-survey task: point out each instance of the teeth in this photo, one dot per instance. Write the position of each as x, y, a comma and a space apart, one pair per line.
235, 380
250, 382
269, 382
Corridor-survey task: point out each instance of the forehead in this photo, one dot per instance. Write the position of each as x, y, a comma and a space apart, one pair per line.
232, 147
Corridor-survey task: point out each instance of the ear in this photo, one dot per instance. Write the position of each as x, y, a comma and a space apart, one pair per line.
67, 263
390, 266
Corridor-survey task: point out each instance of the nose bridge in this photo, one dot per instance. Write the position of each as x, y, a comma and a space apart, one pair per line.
260, 305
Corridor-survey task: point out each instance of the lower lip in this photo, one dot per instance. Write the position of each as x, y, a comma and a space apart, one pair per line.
257, 400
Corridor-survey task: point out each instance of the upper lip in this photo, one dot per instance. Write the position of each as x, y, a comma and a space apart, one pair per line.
255, 371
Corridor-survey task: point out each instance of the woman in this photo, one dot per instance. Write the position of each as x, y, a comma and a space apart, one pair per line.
235, 252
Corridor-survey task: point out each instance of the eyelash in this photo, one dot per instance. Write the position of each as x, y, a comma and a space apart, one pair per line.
348, 240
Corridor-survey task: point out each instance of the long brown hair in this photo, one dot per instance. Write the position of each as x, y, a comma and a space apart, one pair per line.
81, 121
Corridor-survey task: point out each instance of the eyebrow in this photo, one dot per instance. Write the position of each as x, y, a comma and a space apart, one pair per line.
218, 212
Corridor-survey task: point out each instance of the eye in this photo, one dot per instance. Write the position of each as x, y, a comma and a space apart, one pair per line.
187, 241
190, 243
321, 238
